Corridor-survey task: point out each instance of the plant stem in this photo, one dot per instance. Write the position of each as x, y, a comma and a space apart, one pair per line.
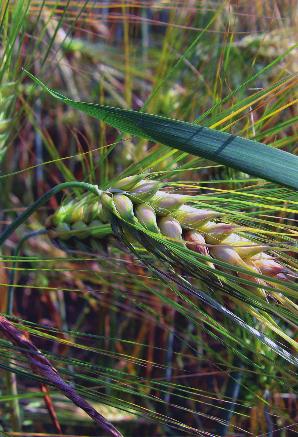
41, 201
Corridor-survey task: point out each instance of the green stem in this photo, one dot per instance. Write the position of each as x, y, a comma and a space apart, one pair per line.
41, 201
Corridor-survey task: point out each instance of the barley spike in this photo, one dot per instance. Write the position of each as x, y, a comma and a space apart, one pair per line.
142, 203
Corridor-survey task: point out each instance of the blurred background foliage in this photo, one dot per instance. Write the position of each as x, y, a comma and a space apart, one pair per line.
150, 359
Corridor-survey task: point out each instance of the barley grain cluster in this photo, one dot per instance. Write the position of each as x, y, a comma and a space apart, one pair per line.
142, 202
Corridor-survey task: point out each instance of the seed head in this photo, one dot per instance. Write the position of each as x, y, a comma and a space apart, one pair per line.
268, 266
124, 207
81, 212
62, 214
191, 217
127, 183
228, 255
147, 217
186, 224
196, 242
108, 207
245, 248
95, 210
170, 228
216, 232
144, 190
165, 202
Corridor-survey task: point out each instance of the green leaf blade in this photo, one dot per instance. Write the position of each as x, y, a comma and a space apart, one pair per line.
249, 156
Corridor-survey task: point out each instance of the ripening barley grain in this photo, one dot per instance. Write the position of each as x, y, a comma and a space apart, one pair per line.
142, 204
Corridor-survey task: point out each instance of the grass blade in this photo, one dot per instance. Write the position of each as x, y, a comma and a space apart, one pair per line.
246, 155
